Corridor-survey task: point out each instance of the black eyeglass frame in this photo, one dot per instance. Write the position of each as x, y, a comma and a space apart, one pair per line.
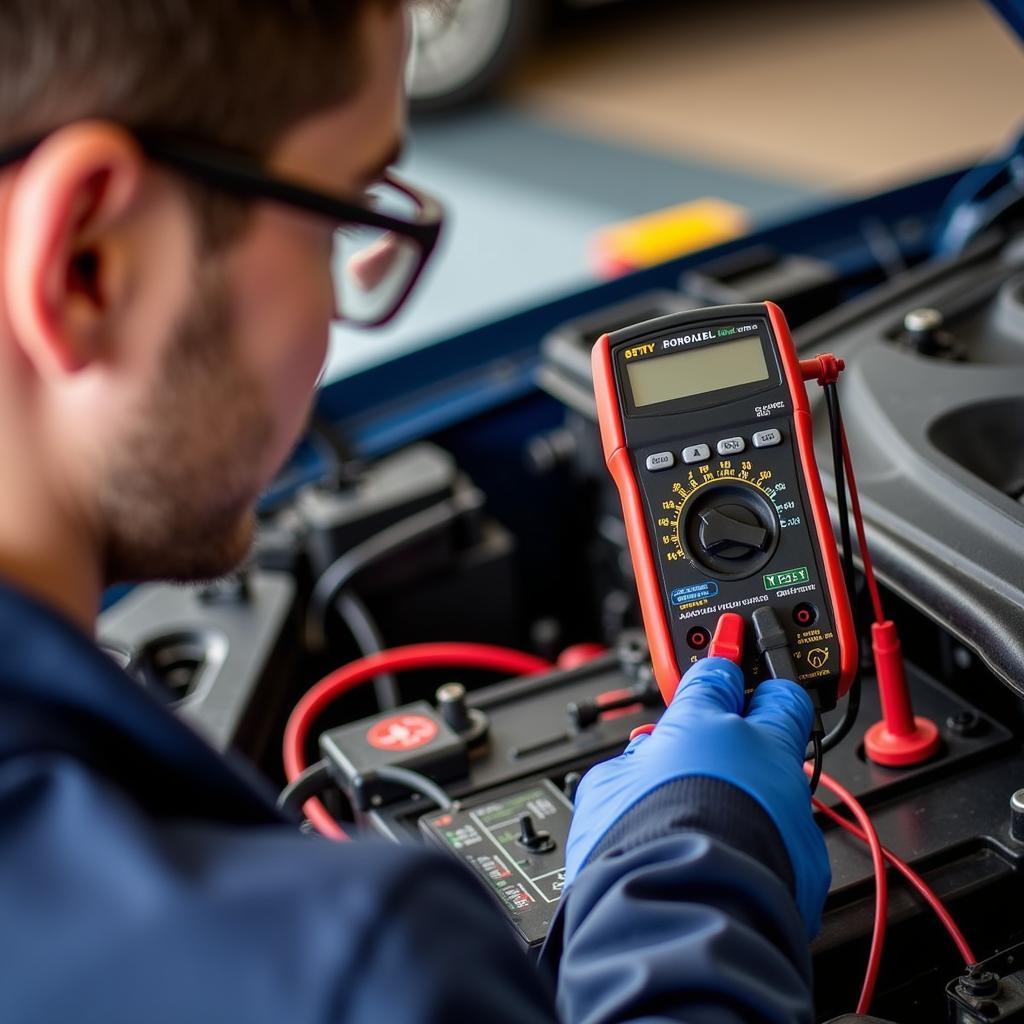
240, 175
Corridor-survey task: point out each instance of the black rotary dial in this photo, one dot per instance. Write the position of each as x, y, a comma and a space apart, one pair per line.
730, 529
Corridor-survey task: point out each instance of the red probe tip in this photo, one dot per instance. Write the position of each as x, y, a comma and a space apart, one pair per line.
901, 738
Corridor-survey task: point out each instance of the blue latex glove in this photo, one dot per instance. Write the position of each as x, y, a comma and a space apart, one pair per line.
704, 732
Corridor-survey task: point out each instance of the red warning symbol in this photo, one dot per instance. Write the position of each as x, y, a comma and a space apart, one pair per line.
402, 732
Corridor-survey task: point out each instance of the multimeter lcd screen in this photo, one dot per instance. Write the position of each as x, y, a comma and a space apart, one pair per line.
709, 368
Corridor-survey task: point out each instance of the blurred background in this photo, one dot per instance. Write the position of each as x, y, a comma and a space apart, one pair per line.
552, 128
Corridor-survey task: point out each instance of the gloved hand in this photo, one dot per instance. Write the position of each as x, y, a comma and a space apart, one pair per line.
704, 732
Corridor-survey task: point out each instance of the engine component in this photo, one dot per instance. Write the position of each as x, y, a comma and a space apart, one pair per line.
515, 841
220, 656
802, 286
414, 737
939, 446
989, 991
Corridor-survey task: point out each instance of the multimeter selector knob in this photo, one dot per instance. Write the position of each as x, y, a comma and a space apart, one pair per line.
731, 530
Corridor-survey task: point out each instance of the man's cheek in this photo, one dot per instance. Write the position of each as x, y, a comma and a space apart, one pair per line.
291, 390
299, 373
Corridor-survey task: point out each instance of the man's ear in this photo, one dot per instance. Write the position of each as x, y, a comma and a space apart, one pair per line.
62, 269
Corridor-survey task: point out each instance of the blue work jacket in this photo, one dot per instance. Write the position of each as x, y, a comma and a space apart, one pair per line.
144, 879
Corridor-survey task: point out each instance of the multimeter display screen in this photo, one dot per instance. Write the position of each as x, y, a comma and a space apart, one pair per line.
708, 368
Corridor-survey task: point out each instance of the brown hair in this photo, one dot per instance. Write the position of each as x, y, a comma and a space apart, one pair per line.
234, 72
238, 72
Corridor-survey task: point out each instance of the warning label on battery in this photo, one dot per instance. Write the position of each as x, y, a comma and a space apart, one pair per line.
401, 732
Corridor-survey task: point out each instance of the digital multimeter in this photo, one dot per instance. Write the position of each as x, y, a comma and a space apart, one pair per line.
707, 432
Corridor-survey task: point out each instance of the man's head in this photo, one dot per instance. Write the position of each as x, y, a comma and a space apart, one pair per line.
159, 343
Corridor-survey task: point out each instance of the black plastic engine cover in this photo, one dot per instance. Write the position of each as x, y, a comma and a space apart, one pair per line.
938, 446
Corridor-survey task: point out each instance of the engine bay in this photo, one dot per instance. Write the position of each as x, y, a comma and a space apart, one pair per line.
474, 508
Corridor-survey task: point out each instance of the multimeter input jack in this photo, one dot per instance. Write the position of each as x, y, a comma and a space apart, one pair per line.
805, 614
698, 638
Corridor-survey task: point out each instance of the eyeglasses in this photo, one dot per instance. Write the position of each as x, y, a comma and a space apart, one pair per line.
380, 246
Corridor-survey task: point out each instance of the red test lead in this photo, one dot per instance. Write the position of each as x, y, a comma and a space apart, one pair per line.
398, 659
726, 643
901, 738
728, 639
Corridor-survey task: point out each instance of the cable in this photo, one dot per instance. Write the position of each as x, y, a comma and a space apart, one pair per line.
881, 888
399, 659
417, 782
922, 887
773, 646
844, 475
388, 541
365, 632
964, 212
310, 782
843, 471
835, 422
862, 542
842, 728
900, 738
817, 757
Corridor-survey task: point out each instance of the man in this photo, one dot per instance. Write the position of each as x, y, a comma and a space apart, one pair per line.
172, 177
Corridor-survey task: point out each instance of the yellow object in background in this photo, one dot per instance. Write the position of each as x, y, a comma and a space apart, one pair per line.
665, 234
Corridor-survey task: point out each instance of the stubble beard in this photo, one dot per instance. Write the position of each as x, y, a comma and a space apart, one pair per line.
179, 498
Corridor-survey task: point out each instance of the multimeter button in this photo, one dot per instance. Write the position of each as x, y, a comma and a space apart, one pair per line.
696, 453
731, 445
767, 438
660, 460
